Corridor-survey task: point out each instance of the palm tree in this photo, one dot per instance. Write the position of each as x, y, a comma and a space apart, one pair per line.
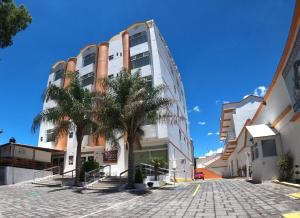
157, 163
71, 113
128, 103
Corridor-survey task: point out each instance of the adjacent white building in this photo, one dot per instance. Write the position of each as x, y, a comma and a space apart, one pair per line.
274, 129
140, 46
233, 119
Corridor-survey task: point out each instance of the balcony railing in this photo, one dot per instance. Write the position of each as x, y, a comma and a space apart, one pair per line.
230, 136
110, 156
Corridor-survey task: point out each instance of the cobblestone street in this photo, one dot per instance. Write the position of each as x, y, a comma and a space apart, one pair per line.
219, 198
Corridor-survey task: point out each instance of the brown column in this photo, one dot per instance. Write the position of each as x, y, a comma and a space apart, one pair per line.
71, 67
126, 50
101, 73
102, 65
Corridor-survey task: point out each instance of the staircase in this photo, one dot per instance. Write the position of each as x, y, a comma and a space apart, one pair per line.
109, 183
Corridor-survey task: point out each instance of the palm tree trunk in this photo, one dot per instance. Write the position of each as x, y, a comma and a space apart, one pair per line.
79, 137
130, 181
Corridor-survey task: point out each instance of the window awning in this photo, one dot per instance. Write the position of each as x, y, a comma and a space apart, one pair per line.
261, 130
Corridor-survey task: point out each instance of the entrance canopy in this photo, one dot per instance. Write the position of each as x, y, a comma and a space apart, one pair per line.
261, 130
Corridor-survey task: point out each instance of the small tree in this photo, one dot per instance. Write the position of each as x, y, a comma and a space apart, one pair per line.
12, 20
72, 113
130, 101
157, 163
286, 167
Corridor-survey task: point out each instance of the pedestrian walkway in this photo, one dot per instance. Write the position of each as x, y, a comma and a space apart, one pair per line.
218, 198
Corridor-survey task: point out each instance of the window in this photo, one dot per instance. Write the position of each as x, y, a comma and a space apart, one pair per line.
140, 60
111, 57
179, 135
148, 80
138, 38
41, 139
71, 160
70, 135
90, 158
89, 59
87, 79
50, 137
269, 148
83, 160
58, 74
110, 76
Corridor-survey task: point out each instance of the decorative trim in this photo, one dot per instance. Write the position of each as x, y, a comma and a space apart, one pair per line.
281, 115
295, 117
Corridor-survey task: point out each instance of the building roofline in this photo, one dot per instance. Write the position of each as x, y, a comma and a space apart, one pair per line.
31, 146
294, 29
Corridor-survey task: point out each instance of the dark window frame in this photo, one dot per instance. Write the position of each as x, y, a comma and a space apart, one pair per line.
59, 74
138, 38
89, 59
87, 79
140, 60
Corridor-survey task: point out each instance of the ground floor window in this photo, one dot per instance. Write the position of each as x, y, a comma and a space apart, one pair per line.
145, 156
269, 148
71, 160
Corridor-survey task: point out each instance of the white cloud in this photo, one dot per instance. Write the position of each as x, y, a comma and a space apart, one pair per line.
196, 109
202, 123
212, 152
210, 133
225, 102
217, 133
260, 91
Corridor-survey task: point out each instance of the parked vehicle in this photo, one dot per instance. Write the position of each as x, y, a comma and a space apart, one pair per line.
199, 175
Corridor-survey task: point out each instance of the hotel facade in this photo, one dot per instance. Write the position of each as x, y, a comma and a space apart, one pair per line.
274, 129
139, 47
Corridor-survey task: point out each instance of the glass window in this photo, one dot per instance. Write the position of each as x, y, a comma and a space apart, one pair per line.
148, 80
70, 134
50, 137
111, 57
140, 60
58, 74
89, 59
110, 76
71, 160
87, 79
269, 148
138, 38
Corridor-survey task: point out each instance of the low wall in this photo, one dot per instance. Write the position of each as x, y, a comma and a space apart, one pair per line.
13, 175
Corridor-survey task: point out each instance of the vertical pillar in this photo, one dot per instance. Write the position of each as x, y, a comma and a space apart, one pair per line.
126, 51
101, 73
71, 67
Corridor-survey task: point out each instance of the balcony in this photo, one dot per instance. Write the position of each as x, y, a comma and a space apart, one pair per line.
110, 156
230, 136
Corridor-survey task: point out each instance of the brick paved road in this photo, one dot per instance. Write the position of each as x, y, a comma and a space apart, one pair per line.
222, 198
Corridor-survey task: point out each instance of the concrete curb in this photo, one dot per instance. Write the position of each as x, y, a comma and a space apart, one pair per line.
293, 185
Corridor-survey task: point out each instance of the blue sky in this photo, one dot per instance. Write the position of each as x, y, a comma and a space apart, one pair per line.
223, 49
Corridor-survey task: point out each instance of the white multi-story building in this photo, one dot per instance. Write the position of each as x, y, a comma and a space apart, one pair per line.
140, 46
233, 119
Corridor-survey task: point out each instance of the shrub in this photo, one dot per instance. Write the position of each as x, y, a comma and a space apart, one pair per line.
286, 167
88, 166
138, 176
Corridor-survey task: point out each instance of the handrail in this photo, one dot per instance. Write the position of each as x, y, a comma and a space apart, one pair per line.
150, 168
96, 173
42, 172
62, 175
